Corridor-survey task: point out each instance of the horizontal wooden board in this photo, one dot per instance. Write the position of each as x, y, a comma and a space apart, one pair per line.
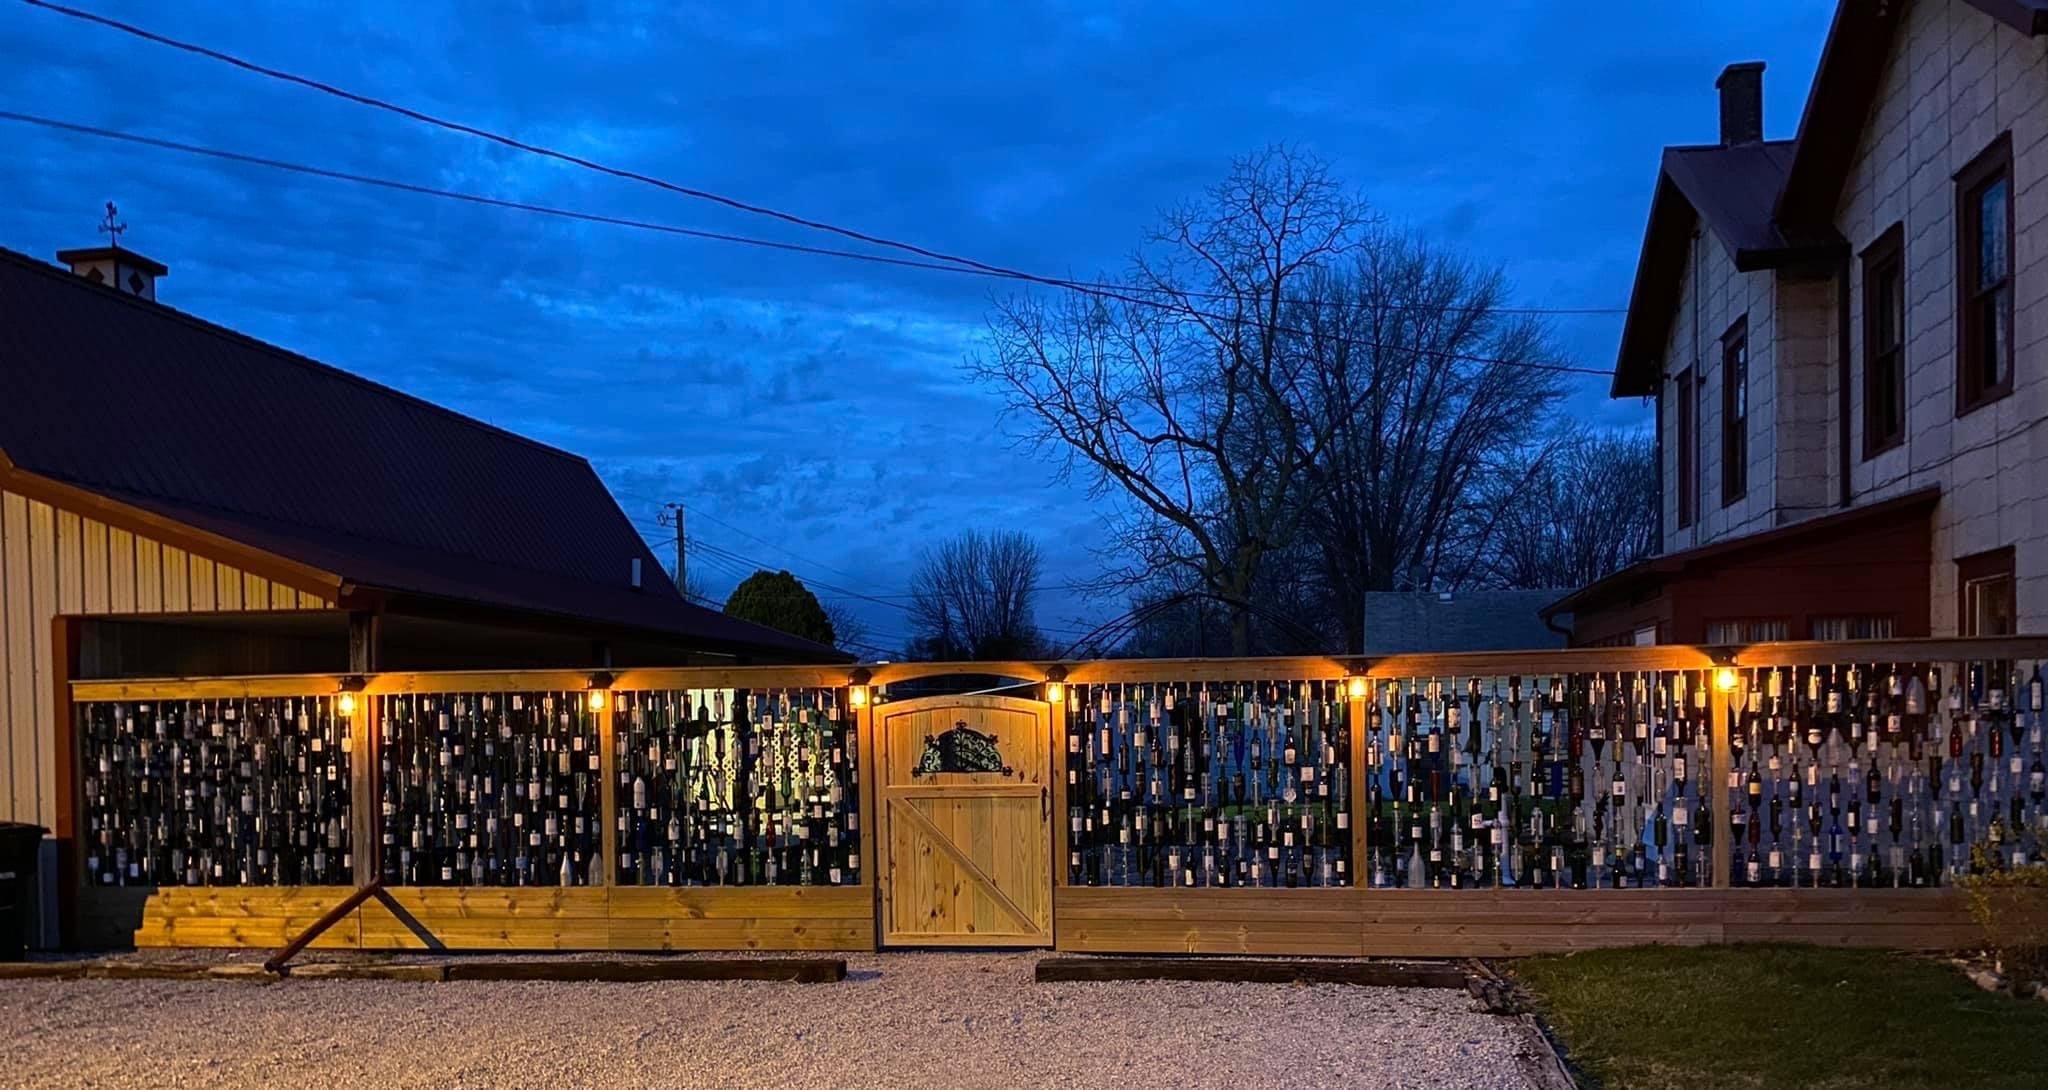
742, 902
1385, 974
1496, 923
792, 970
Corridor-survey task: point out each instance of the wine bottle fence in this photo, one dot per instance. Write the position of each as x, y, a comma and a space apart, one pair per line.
1200, 785
735, 787
229, 792
1885, 775
1878, 775
490, 789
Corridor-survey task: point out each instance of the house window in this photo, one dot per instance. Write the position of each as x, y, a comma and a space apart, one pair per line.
1986, 583
1984, 277
1853, 627
1748, 631
1884, 342
1688, 449
1735, 412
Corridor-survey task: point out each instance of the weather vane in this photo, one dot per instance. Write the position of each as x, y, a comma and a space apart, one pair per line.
112, 227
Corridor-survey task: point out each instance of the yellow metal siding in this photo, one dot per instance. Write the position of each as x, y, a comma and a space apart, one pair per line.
56, 561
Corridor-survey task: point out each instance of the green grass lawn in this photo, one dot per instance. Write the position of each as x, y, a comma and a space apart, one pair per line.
1702, 1018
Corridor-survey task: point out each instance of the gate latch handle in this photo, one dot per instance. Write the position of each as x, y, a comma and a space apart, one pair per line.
1044, 803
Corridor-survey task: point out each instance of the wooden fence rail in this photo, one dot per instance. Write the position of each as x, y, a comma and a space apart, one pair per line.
1825, 792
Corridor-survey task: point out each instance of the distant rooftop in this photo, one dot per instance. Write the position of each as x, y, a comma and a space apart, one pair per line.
1405, 622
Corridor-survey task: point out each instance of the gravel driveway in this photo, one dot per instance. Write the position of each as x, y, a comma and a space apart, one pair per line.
905, 1020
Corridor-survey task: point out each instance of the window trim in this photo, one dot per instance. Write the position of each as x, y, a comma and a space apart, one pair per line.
1686, 385
1734, 440
1976, 568
1991, 164
1888, 251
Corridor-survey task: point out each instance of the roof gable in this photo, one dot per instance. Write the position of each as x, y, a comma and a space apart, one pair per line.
1732, 191
1845, 86
173, 414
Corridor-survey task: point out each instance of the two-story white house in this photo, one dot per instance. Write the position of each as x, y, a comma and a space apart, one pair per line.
1846, 337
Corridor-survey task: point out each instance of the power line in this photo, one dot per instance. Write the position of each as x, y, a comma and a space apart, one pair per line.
671, 229
689, 232
693, 192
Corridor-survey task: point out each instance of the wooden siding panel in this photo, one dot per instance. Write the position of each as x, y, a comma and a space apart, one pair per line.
16, 658
149, 576
94, 562
45, 551
227, 595
202, 581
70, 561
120, 571
177, 580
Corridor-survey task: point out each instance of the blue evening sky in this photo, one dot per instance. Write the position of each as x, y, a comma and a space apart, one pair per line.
810, 402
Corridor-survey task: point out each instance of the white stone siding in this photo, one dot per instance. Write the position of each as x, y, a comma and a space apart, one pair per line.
1955, 81
1695, 342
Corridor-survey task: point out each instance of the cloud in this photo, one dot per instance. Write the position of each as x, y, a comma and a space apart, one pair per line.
818, 404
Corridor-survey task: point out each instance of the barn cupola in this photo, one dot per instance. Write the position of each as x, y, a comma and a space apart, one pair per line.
114, 265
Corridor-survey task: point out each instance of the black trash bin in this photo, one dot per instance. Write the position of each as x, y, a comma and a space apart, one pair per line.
20, 844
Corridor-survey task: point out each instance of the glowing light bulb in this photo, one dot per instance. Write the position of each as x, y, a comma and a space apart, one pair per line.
1724, 679
596, 700
345, 704
1356, 688
1055, 692
857, 695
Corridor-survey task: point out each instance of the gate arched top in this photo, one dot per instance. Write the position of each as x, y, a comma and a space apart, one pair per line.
930, 703
891, 673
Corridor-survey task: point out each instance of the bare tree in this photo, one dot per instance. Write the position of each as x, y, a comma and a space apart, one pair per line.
972, 598
1579, 508
1180, 392
849, 632
1431, 388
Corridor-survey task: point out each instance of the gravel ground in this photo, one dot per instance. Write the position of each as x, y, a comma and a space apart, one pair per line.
904, 1020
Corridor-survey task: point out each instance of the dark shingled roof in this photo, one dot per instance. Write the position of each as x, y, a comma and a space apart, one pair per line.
1401, 622
163, 411
1772, 203
1733, 191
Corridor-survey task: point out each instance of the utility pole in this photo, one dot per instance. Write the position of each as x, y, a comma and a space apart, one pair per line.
672, 515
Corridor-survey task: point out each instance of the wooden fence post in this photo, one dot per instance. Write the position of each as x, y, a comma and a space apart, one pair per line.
867, 766
607, 793
1361, 795
365, 823
1720, 759
65, 635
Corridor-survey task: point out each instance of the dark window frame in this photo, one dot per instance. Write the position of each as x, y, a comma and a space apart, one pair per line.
1687, 387
1884, 365
1734, 395
1981, 568
1991, 166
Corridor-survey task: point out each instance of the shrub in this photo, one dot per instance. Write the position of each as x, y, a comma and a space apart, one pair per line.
2010, 905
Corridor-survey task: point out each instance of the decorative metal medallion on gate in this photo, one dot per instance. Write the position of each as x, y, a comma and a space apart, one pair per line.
961, 749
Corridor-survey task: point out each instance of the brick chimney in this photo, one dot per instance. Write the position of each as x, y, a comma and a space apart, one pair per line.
114, 265
1742, 103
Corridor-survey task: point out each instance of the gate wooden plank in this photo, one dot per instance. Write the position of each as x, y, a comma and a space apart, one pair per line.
991, 889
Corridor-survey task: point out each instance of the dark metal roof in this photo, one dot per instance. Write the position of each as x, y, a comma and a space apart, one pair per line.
155, 408
1403, 622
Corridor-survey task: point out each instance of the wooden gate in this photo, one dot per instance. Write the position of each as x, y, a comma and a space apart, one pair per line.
966, 821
